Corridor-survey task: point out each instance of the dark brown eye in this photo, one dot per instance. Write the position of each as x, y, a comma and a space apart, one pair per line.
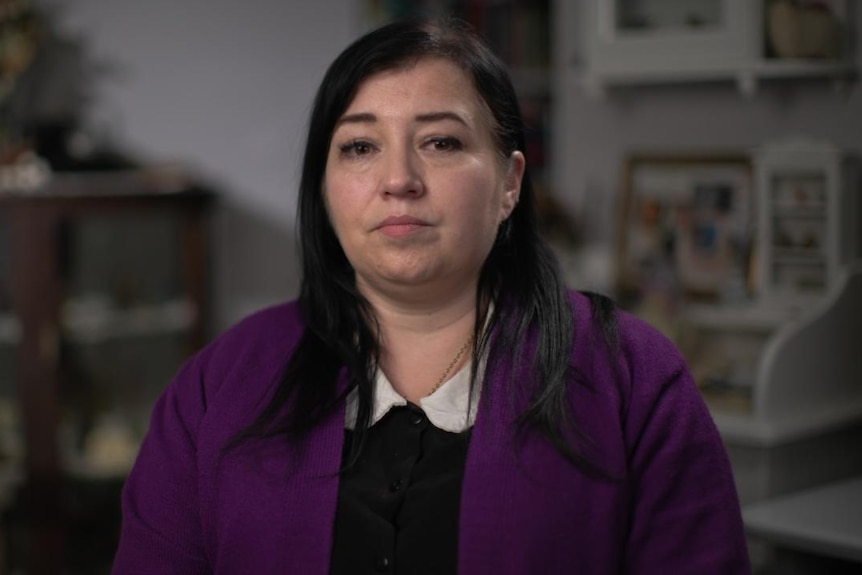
447, 144
355, 148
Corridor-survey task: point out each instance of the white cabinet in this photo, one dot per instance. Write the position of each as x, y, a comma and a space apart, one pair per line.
808, 225
802, 423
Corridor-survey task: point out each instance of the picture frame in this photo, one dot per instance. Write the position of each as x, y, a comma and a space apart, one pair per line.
686, 230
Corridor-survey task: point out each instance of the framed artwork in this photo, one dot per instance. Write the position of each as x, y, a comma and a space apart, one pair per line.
686, 229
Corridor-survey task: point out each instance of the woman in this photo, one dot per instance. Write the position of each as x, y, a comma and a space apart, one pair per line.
435, 402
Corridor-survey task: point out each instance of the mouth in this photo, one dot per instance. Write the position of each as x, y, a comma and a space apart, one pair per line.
400, 226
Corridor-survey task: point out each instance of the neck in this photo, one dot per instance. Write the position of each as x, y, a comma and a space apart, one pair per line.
419, 342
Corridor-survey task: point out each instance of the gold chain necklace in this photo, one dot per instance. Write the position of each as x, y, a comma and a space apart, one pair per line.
452, 364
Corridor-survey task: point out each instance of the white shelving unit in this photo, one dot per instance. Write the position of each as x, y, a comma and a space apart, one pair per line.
809, 377
727, 44
798, 422
788, 365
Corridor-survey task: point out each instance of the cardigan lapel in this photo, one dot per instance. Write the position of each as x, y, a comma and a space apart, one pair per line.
489, 492
285, 496
519, 502
313, 493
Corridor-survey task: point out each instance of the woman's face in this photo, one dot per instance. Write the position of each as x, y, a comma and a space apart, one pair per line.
414, 186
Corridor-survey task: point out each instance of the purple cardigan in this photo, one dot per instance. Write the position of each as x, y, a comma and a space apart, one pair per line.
269, 507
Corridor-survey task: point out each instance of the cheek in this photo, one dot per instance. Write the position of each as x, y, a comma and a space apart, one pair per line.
335, 215
336, 199
480, 208
327, 201
487, 197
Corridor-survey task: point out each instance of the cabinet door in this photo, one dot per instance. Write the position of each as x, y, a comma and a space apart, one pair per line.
124, 321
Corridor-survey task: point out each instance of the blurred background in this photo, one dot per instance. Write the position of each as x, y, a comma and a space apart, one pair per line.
696, 160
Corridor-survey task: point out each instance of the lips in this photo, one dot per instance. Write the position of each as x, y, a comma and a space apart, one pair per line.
399, 226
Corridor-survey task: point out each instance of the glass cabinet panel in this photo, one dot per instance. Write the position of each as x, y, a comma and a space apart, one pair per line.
123, 260
107, 393
124, 321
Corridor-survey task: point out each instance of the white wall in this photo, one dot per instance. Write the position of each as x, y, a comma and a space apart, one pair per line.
225, 86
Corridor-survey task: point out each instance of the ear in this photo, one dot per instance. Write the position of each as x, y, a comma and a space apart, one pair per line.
512, 186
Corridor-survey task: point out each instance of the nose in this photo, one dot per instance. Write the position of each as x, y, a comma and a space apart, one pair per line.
403, 174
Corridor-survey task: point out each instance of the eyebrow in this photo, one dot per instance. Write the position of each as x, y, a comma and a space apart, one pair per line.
369, 118
439, 116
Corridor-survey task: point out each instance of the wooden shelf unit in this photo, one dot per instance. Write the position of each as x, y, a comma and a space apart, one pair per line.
41, 322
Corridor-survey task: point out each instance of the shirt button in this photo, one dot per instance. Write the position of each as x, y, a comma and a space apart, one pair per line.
396, 485
416, 419
381, 563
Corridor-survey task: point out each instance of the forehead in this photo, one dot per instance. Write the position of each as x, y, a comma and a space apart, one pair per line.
432, 83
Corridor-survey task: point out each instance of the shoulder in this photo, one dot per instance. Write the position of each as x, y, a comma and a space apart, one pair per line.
621, 354
599, 324
657, 432
246, 358
642, 375
277, 325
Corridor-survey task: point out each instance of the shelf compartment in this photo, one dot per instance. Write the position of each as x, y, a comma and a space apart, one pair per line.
106, 394
799, 277
95, 321
799, 191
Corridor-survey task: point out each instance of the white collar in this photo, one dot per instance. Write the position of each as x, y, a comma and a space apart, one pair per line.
446, 408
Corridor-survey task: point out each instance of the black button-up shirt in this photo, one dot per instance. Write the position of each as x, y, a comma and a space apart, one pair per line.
398, 506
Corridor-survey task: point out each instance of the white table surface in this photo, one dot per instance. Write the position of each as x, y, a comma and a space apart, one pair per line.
826, 520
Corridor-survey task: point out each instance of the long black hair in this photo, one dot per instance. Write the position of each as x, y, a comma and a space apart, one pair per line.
519, 276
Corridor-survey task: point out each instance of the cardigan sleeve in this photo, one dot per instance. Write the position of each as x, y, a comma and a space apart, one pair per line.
161, 528
685, 515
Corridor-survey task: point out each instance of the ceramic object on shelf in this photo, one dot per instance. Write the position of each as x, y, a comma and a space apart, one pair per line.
803, 31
